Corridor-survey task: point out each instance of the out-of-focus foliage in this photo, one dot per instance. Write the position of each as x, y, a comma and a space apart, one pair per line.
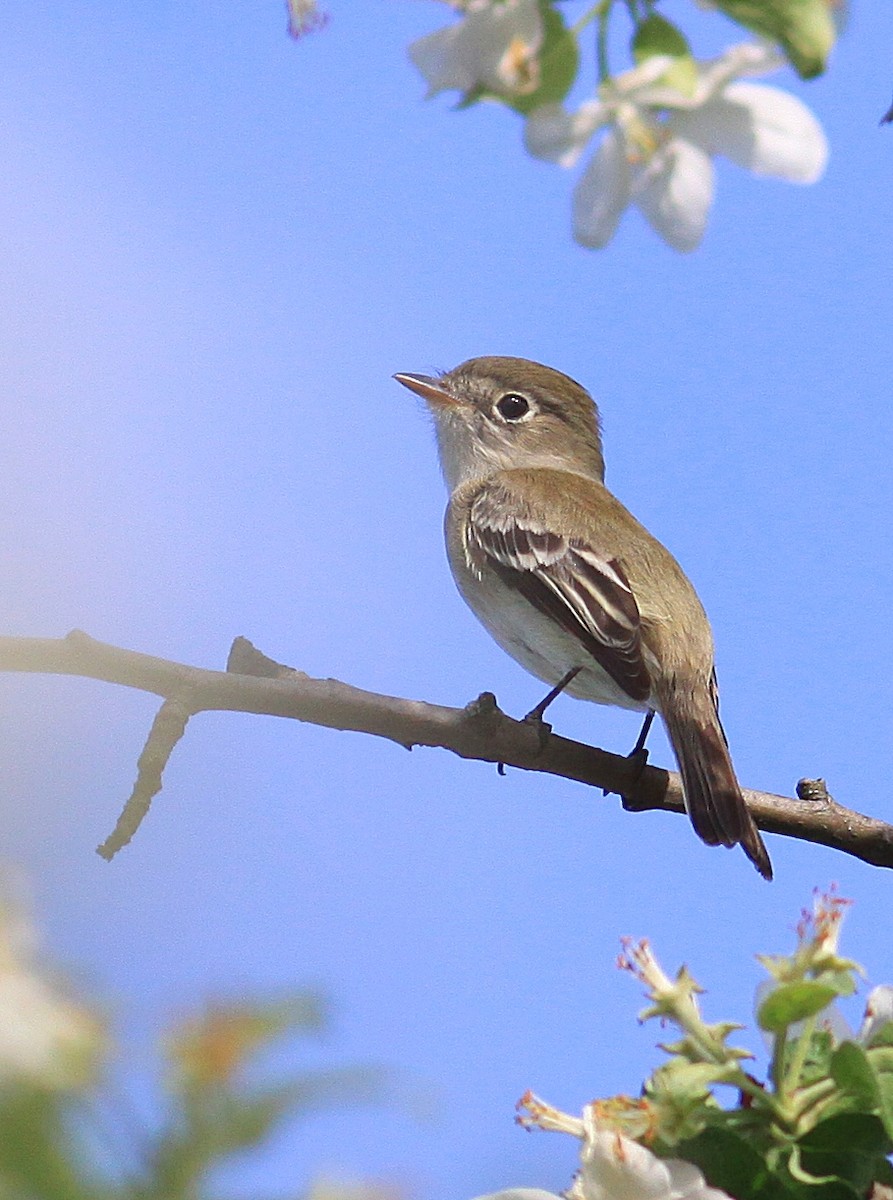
57, 1060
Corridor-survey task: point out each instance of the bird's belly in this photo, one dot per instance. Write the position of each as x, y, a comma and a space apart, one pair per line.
541, 646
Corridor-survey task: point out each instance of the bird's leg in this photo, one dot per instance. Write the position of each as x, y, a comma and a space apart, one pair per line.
639, 751
537, 714
639, 755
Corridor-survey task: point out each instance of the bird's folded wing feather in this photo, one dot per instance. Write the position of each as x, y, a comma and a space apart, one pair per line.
566, 579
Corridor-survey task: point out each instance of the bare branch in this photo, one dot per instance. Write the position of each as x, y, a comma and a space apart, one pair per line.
256, 684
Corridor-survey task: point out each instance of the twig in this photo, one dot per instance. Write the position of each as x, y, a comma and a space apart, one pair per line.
256, 684
167, 729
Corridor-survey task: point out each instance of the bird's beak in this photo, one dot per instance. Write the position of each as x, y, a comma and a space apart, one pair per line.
429, 389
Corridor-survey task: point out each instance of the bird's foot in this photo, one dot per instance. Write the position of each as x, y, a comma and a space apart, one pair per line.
542, 728
638, 757
535, 717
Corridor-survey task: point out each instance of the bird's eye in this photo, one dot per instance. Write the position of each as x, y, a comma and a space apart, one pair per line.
512, 406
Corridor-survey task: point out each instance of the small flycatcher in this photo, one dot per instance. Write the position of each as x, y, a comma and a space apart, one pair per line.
566, 580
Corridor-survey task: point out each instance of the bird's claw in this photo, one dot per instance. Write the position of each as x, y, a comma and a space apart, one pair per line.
543, 729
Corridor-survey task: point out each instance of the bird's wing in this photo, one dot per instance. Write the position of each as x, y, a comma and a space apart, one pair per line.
566, 579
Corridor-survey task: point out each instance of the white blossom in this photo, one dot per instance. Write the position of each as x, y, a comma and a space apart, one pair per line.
658, 148
878, 1013
612, 1166
492, 46
46, 1038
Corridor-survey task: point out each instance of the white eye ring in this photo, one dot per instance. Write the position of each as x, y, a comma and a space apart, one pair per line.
513, 406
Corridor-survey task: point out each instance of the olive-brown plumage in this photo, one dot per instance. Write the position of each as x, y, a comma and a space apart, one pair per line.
564, 577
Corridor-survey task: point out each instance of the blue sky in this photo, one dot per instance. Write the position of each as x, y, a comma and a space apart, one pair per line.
216, 247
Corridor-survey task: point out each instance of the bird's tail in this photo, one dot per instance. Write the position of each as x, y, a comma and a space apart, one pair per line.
713, 799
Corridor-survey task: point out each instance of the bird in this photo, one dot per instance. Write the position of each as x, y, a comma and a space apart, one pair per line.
565, 578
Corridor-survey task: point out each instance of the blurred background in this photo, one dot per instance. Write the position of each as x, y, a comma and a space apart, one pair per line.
216, 246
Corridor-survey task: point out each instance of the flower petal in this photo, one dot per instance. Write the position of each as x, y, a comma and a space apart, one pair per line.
878, 1013
439, 58
559, 136
629, 84
47, 1039
613, 1167
747, 58
489, 47
675, 192
687, 1182
764, 129
602, 193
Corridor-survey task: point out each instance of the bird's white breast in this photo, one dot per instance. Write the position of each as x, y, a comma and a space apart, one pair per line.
538, 643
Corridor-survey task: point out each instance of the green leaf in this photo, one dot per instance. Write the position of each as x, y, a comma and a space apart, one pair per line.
38, 1156
881, 1057
656, 35
840, 979
853, 1074
734, 1164
803, 28
680, 1098
885, 1099
211, 1125
792, 1002
209, 1132
849, 1146
817, 1059
885, 1174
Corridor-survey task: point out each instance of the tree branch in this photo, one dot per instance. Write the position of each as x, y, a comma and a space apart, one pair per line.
253, 683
